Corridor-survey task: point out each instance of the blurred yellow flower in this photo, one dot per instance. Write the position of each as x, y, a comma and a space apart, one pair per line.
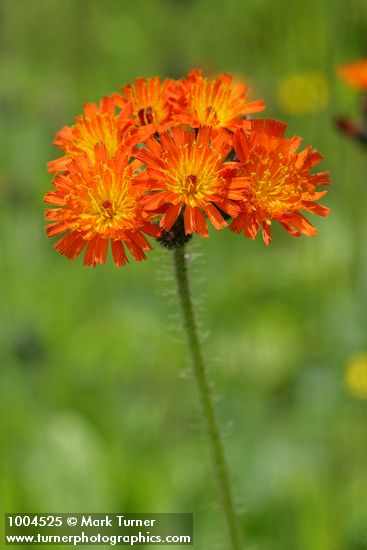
356, 375
303, 93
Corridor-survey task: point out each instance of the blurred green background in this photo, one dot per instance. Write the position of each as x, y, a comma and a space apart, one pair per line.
98, 410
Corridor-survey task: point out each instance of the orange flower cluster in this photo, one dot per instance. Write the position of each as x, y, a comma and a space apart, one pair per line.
177, 153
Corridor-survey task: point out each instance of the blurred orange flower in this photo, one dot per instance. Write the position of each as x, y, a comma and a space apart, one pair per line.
99, 124
355, 74
280, 182
186, 173
97, 204
214, 102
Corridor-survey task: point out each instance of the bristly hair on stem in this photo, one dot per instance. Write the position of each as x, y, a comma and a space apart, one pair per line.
206, 397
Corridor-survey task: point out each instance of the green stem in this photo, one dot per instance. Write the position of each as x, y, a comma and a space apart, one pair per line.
220, 465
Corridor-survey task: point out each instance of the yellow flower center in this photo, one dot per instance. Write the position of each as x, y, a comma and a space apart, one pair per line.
194, 178
103, 204
89, 132
191, 183
213, 106
276, 186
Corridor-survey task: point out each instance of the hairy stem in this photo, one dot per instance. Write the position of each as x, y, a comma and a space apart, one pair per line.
205, 392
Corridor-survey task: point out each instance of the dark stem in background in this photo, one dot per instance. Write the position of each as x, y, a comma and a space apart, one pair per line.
220, 466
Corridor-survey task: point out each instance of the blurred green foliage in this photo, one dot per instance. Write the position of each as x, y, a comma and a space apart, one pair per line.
98, 411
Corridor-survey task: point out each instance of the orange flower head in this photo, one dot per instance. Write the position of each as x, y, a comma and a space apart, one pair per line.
355, 74
186, 172
280, 183
97, 203
215, 102
99, 124
151, 109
